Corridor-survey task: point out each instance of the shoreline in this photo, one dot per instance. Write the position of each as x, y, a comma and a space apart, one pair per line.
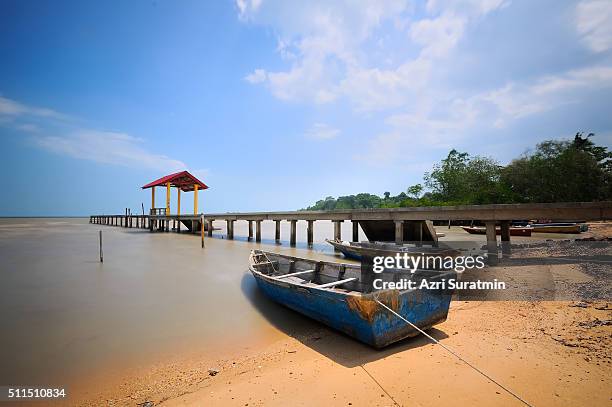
552, 353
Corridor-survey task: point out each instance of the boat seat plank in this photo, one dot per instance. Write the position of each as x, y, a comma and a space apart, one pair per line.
266, 262
297, 273
335, 283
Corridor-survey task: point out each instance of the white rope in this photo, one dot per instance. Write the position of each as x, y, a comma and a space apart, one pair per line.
516, 396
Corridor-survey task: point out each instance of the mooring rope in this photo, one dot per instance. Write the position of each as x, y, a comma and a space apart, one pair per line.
516, 396
379, 385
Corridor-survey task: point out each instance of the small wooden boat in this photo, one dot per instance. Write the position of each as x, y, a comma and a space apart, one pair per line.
341, 296
357, 250
556, 228
514, 231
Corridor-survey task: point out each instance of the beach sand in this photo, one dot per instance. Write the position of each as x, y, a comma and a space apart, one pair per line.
550, 353
177, 342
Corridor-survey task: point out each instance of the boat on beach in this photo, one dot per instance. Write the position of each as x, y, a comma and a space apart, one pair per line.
514, 231
342, 296
556, 228
359, 250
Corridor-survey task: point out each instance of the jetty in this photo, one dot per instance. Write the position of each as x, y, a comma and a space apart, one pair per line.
380, 224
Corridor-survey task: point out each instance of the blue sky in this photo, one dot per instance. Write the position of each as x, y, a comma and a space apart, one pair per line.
276, 104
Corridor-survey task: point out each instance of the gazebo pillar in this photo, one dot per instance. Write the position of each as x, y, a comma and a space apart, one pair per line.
195, 199
167, 198
178, 209
152, 197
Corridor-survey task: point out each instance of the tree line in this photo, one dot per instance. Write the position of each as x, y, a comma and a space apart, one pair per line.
555, 171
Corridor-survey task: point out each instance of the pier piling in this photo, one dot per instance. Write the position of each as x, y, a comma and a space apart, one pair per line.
399, 231
491, 242
310, 232
258, 230
293, 232
277, 235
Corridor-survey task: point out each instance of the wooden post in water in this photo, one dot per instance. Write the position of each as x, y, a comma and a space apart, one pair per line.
101, 253
202, 229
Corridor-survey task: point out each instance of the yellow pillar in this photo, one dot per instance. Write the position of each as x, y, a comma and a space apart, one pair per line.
152, 197
195, 199
167, 198
178, 209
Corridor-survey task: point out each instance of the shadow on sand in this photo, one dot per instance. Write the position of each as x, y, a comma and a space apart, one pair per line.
332, 344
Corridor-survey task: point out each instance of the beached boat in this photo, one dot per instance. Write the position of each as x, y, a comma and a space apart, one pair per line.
556, 228
341, 296
357, 250
514, 231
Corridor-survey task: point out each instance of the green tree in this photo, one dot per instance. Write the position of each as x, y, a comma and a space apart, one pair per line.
414, 191
561, 171
460, 178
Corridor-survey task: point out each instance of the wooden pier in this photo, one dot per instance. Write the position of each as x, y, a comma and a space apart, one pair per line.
388, 224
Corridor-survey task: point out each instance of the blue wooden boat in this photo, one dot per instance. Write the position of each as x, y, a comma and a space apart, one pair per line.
340, 296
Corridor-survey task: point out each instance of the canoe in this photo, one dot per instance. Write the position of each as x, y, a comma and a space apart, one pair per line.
357, 250
556, 228
340, 296
514, 231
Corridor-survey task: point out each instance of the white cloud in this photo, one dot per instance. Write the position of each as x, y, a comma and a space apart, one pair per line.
321, 131
327, 43
99, 146
258, 76
108, 148
438, 35
594, 23
12, 108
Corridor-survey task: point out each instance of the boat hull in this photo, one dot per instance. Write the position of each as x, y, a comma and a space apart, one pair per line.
572, 229
358, 315
513, 231
355, 252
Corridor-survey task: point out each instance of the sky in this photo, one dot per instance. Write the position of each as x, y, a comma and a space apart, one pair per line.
276, 104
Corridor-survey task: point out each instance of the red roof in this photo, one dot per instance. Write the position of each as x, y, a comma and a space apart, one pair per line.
183, 180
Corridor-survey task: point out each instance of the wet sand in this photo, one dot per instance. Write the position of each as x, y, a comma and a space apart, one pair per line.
149, 323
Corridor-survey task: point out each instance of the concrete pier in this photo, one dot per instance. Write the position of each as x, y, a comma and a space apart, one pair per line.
310, 232
230, 229
250, 230
292, 236
399, 231
277, 234
491, 242
384, 224
258, 231
338, 229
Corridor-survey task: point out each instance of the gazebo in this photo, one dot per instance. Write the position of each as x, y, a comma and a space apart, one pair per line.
182, 181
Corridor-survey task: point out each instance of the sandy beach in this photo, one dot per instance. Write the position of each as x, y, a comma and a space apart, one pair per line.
550, 353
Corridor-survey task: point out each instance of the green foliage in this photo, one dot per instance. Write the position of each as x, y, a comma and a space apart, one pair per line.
464, 179
557, 171
561, 171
